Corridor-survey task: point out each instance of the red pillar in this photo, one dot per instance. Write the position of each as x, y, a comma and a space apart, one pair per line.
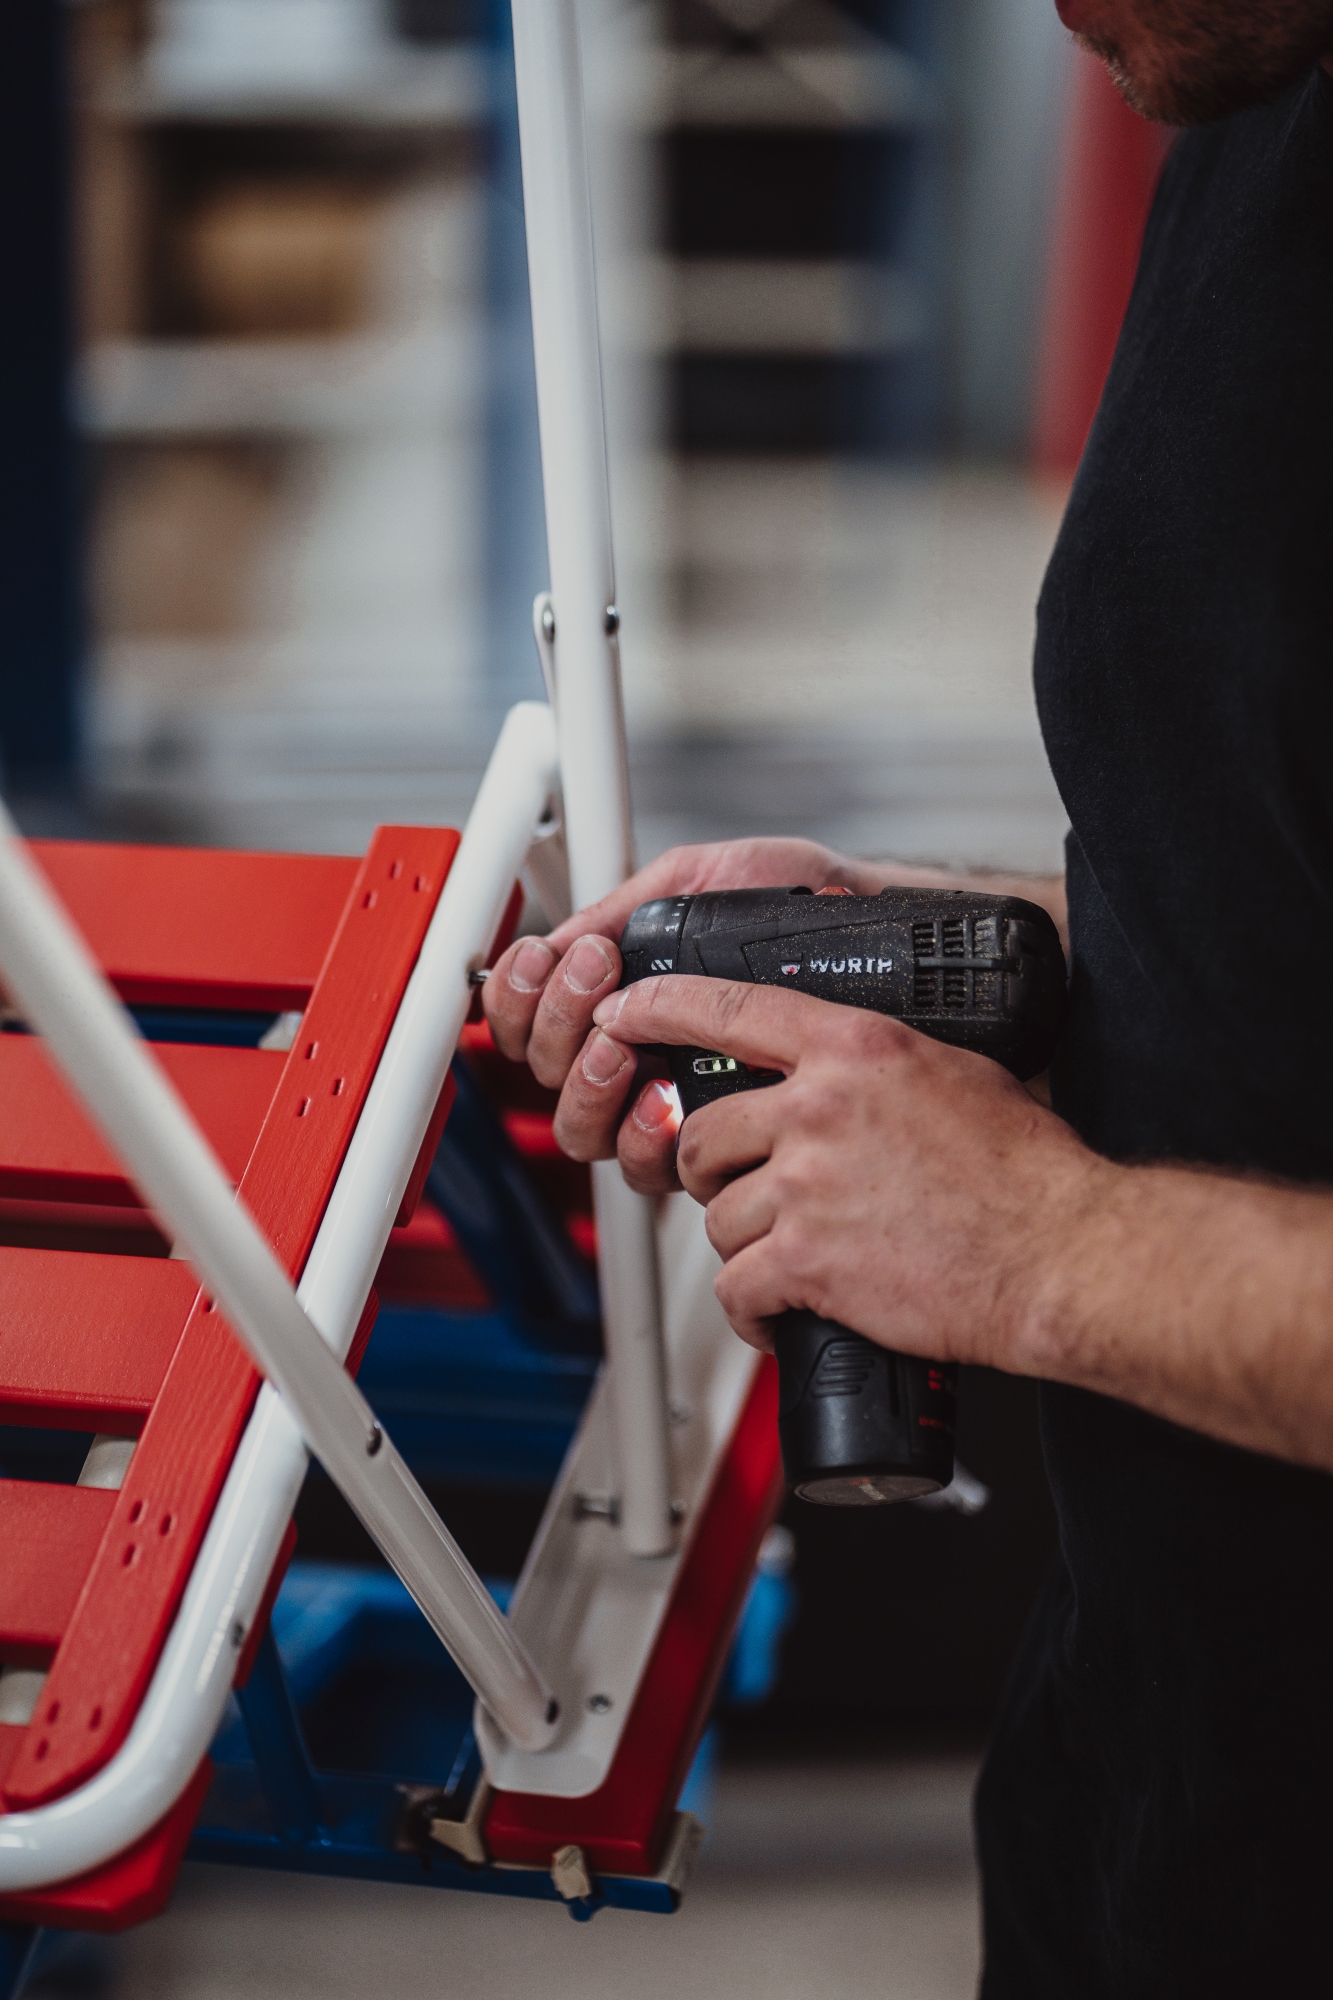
1109, 162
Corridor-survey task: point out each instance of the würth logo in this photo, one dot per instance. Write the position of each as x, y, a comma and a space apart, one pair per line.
871, 965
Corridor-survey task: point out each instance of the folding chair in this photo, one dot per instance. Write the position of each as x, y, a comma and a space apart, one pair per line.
193, 1245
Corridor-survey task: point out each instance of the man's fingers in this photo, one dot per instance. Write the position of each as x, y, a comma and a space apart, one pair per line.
593, 1100
564, 1011
760, 1025
646, 1146
510, 996
741, 1214
749, 1296
728, 1138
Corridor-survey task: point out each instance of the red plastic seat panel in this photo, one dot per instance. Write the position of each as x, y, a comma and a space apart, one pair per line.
86, 1341
198, 927
50, 1535
51, 1151
109, 1650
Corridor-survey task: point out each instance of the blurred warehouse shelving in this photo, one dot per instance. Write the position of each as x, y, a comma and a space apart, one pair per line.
307, 380
282, 377
802, 171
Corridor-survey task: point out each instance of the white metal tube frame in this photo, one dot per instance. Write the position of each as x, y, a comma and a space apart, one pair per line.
589, 711
47, 968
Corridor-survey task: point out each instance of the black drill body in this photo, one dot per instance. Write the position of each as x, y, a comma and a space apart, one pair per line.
860, 1425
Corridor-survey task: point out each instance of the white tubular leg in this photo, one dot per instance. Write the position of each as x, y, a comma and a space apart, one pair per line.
511, 803
589, 712
47, 967
627, 1235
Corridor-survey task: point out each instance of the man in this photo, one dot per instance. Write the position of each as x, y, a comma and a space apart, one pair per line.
1156, 1813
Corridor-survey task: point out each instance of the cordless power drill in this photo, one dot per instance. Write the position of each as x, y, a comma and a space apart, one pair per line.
858, 1424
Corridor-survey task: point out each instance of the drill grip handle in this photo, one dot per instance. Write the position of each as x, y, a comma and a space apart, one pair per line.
860, 1424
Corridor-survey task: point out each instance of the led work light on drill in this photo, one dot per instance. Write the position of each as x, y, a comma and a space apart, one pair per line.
859, 1424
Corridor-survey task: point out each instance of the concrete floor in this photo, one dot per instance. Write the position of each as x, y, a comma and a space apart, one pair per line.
819, 1882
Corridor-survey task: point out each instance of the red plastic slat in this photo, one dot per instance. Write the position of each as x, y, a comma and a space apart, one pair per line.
199, 927
109, 1650
50, 1536
58, 1225
86, 1341
621, 1826
51, 1151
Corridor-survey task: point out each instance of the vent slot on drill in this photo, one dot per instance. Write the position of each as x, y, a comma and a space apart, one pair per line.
970, 986
925, 985
844, 1368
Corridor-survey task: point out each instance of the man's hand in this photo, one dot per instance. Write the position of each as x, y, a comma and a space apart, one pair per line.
540, 998
909, 1190
917, 1193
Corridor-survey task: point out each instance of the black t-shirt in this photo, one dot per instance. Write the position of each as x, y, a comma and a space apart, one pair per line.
1156, 1815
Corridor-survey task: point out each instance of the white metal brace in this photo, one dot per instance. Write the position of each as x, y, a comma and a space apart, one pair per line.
584, 647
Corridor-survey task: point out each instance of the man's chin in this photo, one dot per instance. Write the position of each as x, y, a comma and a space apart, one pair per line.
1137, 90
1194, 76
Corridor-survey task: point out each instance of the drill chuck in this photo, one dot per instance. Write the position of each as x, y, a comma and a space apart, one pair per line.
859, 1424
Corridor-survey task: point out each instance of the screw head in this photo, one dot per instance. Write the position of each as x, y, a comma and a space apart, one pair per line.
598, 1704
548, 623
611, 621
374, 1440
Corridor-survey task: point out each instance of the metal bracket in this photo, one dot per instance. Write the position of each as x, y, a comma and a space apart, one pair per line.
588, 1609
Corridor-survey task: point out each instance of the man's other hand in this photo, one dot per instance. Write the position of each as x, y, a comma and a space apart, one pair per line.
904, 1188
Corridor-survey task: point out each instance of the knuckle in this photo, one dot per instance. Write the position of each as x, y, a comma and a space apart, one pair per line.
798, 1251
733, 1001
690, 1151
727, 1290
860, 1037
715, 1228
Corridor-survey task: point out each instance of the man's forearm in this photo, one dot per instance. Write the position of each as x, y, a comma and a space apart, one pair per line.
1204, 1299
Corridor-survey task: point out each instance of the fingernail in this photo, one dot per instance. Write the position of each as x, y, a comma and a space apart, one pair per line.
655, 1106
587, 966
604, 1013
604, 1059
534, 962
